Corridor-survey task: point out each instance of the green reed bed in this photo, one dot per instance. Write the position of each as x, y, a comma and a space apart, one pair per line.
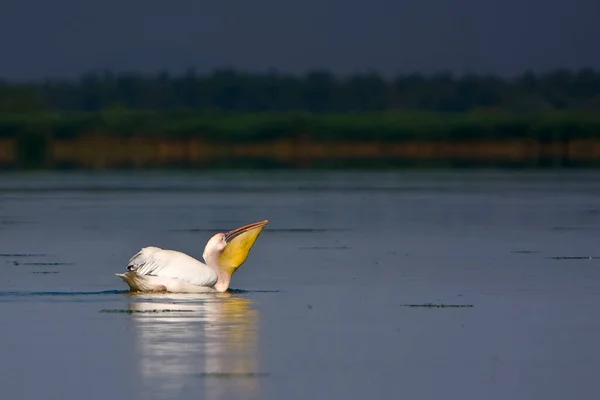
256, 127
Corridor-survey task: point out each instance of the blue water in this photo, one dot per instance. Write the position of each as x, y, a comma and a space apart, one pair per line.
324, 306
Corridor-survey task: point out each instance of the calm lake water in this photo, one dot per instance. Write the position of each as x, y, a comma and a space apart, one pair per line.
331, 302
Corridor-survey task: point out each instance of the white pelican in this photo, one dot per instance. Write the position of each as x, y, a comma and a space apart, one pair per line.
153, 269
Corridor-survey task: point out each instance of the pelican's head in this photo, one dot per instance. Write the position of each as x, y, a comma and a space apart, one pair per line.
229, 250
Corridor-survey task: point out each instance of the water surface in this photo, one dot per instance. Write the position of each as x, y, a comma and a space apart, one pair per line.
340, 298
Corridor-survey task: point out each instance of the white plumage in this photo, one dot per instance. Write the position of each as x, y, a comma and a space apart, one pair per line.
155, 261
156, 269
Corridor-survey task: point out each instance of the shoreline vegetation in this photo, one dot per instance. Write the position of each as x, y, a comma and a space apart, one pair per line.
233, 119
143, 139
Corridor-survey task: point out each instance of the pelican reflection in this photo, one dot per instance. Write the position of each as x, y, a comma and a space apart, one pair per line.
191, 343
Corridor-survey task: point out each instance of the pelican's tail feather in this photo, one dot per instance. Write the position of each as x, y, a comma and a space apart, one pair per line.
136, 282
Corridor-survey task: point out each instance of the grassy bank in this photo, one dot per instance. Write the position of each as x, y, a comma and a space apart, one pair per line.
255, 127
123, 138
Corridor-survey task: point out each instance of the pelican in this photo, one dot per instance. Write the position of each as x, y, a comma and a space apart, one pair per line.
153, 269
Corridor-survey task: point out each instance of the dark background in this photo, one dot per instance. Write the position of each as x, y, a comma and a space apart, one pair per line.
66, 38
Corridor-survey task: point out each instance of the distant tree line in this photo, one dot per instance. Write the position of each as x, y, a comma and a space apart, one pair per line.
315, 92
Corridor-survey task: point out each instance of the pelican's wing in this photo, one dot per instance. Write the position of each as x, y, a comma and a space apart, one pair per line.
172, 264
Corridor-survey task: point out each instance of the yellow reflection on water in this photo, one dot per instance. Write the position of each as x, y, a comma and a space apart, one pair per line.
187, 342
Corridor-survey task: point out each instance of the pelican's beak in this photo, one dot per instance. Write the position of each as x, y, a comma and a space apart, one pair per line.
239, 243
